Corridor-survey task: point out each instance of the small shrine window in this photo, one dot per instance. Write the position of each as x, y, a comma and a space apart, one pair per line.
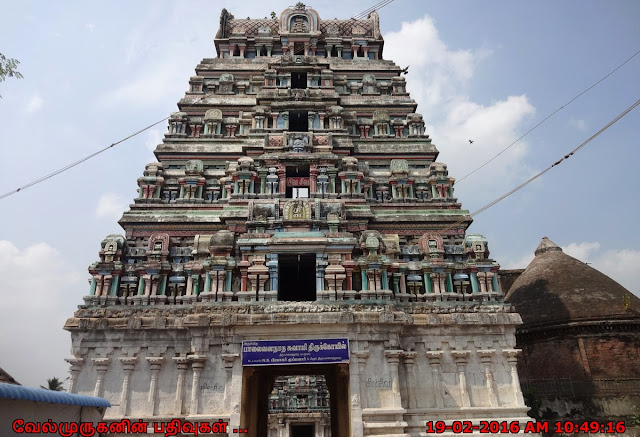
298, 121
299, 80
297, 277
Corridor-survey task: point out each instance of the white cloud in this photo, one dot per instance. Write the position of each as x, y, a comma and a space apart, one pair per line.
440, 70
110, 206
90, 27
519, 263
139, 44
38, 288
580, 125
155, 67
581, 251
622, 266
149, 86
619, 264
437, 79
35, 104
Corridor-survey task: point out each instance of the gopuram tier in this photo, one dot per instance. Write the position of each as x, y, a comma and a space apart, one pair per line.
297, 226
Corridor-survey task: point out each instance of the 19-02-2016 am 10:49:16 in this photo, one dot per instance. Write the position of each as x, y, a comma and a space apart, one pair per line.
514, 427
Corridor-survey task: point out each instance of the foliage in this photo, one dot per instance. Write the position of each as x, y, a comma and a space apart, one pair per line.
53, 384
273, 15
8, 68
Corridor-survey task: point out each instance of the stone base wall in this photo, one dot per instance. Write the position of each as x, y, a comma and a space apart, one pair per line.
409, 363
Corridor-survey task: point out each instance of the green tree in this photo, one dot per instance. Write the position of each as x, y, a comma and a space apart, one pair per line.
53, 384
8, 68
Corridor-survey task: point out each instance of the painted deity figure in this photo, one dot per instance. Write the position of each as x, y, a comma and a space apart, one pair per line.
298, 142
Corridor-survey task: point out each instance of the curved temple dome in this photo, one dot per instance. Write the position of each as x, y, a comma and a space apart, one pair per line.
556, 288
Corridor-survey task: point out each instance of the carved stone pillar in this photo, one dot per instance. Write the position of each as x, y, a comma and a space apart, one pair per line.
281, 429
409, 359
489, 276
155, 363
435, 280
197, 364
106, 285
313, 179
321, 428
461, 358
76, 366
282, 175
362, 362
482, 278
128, 364
101, 364
147, 284
435, 361
486, 358
229, 360
393, 358
183, 364
512, 358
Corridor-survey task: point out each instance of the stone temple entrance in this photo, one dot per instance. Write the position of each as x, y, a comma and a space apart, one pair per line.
299, 405
257, 385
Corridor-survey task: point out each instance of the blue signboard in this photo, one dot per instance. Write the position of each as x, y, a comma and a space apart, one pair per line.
282, 352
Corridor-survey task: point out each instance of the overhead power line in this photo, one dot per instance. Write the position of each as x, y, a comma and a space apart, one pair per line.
366, 12
549, 116
558, 162
94, 154
363, 14
78, 162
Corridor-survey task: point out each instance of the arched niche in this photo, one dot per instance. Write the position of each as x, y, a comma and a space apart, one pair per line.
309, 16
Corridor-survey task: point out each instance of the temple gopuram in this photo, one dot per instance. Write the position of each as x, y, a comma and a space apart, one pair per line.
296, 262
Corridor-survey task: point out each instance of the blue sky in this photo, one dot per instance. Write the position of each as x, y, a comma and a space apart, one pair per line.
95, 72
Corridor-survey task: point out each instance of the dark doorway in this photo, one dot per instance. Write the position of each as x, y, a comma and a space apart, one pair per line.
297, 277
258, 384
299, 80
298, 121
302, 431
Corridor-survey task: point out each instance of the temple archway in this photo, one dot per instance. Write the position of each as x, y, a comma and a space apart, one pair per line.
257, 384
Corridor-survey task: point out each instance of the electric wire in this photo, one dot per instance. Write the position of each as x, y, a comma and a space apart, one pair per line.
558, 162
367, 11
363, 14
549, 116
88, 157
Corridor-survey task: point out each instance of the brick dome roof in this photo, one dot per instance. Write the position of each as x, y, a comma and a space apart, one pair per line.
556, 289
